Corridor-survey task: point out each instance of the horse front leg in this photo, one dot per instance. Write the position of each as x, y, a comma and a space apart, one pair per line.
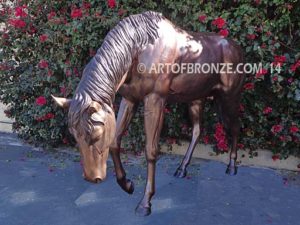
154, 105
125, 114
196, 114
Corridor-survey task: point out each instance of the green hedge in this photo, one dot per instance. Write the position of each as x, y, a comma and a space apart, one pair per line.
45, 45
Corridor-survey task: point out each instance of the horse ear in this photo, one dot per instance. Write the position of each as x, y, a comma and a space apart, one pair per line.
94, 107
62, 102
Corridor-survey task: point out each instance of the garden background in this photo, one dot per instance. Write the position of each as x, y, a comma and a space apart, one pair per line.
46, 44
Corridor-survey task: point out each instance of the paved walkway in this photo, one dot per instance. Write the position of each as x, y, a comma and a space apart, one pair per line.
40, 188
44, 188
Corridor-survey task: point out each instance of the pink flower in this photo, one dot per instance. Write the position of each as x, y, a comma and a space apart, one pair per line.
219, 22
19, 11
111, 3
276, 128
17, 23
249, 86
224, 32
43, 37
202, 18
267, 110
76, 13
43, 64
41, 101
261, 73
294, 129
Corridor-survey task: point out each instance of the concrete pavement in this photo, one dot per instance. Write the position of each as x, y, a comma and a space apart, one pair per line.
42, 188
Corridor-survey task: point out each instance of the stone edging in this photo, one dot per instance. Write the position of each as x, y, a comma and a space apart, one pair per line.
263, 159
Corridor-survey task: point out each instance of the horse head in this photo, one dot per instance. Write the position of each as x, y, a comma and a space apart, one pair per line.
93, 128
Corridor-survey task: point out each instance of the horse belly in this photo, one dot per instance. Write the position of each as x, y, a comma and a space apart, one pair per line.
189, 87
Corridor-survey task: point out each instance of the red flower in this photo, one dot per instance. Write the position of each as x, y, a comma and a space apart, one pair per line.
263, 45
295, 66
68, 73
240, 146
279, 59
249, 86
251, 36
275, 157
19, 11
86, 5
51, 15
63, 90
261, 73
275, 78
32, 29
171, 141
290, 80
43, 37
206, 139
224, 32
219, 22
92, 52
276, 128
294, 129
17, 23
41, 101
166, 110
65, 140
242, 108
43, 64
111, 3
202, 18
267, 110
221, 138
76, 13
49, 116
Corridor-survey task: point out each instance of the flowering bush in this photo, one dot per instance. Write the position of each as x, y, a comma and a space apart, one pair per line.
45, 45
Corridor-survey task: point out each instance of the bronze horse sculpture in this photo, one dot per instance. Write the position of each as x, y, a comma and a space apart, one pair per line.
146, 39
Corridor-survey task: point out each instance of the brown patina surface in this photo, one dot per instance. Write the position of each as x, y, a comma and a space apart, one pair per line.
149, 39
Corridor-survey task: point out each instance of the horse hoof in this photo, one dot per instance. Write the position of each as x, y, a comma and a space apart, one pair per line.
231, 170
180, 173
127, 185
142, 211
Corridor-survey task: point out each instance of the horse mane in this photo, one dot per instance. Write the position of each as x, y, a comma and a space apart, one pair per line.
112, 60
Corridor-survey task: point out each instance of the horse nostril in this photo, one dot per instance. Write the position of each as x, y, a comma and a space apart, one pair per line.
97, 180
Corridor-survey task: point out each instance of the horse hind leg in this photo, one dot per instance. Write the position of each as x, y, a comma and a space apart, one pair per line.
230, 118
196, 113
